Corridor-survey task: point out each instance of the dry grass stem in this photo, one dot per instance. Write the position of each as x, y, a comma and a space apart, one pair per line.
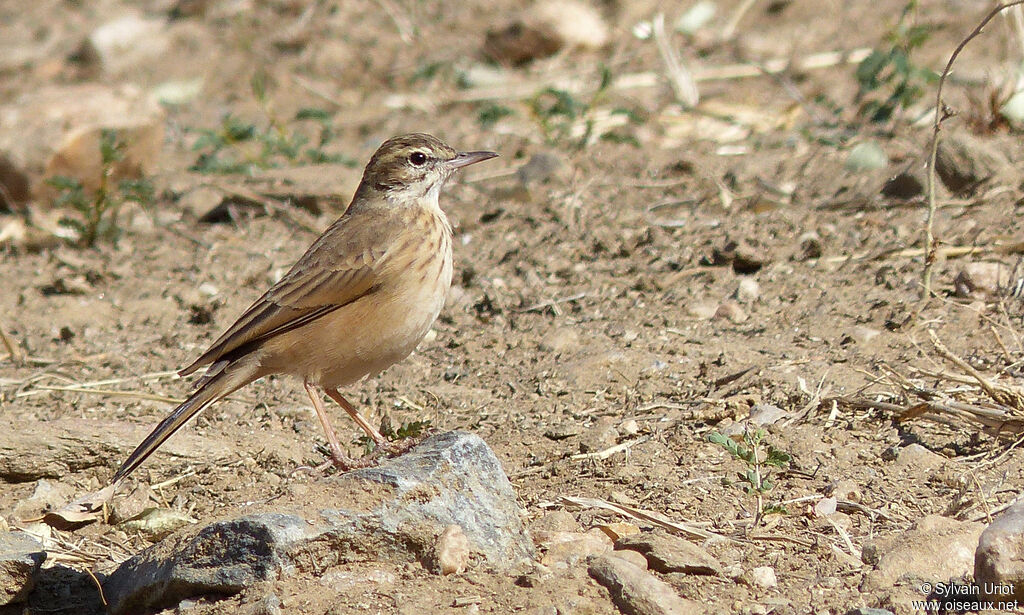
679, 76
942, 113
642, 515
608, 452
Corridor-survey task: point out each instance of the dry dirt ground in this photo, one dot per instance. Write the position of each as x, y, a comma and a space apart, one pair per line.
581, 315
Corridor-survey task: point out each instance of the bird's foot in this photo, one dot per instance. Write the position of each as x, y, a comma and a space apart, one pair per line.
388, 450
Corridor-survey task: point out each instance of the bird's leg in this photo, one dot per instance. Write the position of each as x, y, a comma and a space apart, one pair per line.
340, 459
377, 437
383, 446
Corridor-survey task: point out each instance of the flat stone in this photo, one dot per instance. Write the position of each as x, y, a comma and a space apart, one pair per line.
917, 458
936, 548
636, 591
556, 521
222, 558
399, 511
668, 553
981, 278
965, 163
125, 43
566, 549
633, 557
21, 555
55, 130
999, 559
77, 444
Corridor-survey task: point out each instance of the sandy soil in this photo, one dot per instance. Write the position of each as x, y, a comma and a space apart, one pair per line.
580, 316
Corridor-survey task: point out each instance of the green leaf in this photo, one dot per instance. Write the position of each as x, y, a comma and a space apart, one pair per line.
63, 182
72, 224
606, 78
426, 72
138, 190
111, 149
313, 113
234, 129
413, 429
258, 84
777, 458
489, 114
870, 67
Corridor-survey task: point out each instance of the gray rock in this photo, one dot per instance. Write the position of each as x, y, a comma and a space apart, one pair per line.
668, 553
20, 558
396, 511
964, 163
999, 559
449, 479
936, 548
636, 592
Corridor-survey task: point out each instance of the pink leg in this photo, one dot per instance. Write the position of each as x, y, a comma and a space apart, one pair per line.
341, 460
375, 435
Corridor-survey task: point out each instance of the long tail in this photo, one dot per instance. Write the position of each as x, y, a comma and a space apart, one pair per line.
216, 384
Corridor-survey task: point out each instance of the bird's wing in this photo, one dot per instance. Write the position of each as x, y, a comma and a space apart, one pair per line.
342, 266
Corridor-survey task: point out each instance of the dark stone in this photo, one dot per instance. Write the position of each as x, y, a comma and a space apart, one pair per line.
21, 555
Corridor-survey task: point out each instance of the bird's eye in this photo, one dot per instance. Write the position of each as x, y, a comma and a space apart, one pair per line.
418, 158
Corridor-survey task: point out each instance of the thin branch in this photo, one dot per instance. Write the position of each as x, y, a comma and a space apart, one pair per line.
942, 113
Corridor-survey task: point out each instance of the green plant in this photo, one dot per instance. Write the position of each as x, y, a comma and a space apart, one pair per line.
559, 113
95, 213
412, 429
237, 146
887, 79
489, 114
759, 456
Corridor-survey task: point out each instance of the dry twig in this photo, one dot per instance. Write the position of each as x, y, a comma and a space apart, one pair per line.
942, 113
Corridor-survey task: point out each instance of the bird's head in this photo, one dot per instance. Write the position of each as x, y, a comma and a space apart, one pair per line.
410, 167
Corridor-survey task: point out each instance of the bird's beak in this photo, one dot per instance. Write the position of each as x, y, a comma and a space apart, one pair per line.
464, 159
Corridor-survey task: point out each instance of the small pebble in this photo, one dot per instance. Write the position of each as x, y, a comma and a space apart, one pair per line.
749, 290
763, 576
731, 311
452, 551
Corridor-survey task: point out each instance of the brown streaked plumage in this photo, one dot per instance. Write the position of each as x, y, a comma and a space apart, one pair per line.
359, 300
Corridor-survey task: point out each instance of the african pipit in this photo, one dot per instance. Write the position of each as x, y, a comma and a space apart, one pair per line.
359, 300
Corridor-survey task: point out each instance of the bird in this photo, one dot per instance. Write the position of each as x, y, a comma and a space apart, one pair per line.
360, 299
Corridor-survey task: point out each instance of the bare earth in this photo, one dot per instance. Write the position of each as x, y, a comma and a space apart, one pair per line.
600, 305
